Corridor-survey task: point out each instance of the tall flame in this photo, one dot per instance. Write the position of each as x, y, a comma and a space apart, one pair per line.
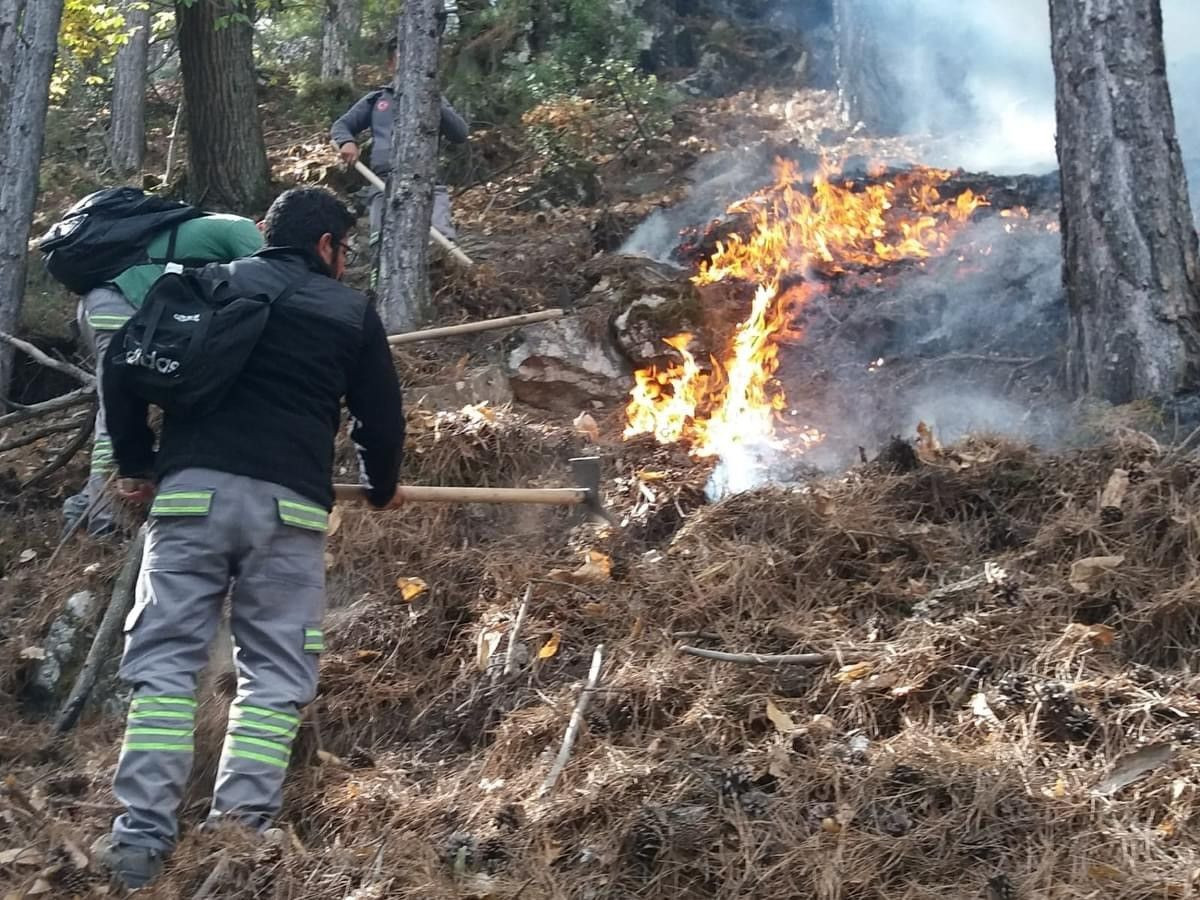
795, 232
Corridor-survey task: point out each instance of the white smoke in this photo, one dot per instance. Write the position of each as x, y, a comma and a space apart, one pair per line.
996, 55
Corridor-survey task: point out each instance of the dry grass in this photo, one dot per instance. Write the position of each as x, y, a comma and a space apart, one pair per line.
964, 759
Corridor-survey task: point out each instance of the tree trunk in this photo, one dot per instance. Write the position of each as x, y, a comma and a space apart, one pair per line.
899, 69
227, 158
127, 132
28, 42
340, 29
404, 258
1129, 245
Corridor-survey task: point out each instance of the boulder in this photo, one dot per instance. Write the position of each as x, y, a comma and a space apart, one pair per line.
568, 364
485, 385
63, 651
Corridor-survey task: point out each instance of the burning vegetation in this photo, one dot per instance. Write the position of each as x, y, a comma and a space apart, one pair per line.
798, 235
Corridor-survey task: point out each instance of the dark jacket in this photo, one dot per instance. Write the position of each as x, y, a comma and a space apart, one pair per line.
278, 423
377, 111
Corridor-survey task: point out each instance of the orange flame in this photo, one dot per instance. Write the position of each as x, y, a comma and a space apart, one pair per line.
796, 231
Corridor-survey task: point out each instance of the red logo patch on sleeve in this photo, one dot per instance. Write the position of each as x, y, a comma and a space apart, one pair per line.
382, 105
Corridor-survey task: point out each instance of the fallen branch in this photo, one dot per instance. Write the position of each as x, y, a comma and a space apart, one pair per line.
510, 655
774, 659
428, 334
66, 454
564, 753
214, 877
48, 361
106, 635
45, 431
66, 401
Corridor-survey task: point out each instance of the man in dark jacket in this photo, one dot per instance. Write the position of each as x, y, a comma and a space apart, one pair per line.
241, 498
377, 112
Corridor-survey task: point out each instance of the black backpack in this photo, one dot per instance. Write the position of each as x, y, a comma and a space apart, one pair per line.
106, 233
186, 346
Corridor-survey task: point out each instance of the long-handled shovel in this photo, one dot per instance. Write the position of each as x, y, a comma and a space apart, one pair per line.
585, 495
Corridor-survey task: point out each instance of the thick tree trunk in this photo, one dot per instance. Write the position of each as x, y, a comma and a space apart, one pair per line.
404, 258
867, 89
1129, 246
340, 29
127, 132
28, 43
227, 158
900, 68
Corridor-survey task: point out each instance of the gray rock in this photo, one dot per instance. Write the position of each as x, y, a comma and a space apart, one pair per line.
487, 385
567, 364
64, 648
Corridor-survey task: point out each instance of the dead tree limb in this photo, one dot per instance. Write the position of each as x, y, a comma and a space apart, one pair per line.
66, 401
46, 360
564, 753
66, 454
775, 659
510, 655
45, 431
110, 628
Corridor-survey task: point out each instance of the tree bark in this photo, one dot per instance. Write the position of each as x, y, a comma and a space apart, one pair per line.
127, 131
899, 69
28, 43
404, 257
227, 157
1129, 245
340, 29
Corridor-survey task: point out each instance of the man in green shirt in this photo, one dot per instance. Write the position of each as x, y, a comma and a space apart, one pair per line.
210, 238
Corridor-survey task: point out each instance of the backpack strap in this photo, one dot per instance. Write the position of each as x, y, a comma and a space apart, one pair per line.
169, 262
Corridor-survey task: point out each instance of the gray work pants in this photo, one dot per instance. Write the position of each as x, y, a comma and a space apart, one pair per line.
209, 530
99, 314
442, 215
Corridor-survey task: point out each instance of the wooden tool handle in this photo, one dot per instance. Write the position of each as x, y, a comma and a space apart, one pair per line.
446, 244
412, 337
422, 494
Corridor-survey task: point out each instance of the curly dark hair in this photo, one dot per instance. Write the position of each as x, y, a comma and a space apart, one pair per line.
300, 216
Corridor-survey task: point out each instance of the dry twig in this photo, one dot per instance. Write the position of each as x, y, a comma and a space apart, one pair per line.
48, 361
45, 431
66, 454
780, 659
66, 401
106, 634
564, 753
510, 655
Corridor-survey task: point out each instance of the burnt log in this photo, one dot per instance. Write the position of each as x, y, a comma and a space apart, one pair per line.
1129, 244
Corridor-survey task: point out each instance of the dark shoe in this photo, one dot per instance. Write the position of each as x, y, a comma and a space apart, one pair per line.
73, 509
101, 529
134, 867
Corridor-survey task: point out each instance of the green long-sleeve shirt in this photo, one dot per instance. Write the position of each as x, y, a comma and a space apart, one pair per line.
217, 237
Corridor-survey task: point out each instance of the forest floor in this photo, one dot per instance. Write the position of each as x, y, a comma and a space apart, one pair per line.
997, 695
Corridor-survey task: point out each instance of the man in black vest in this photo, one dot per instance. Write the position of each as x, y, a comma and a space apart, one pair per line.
241, 498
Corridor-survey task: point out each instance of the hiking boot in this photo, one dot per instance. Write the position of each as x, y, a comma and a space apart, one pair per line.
134, 867
73, 509
101, 529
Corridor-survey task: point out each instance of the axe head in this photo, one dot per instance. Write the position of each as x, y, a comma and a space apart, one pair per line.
585, 471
